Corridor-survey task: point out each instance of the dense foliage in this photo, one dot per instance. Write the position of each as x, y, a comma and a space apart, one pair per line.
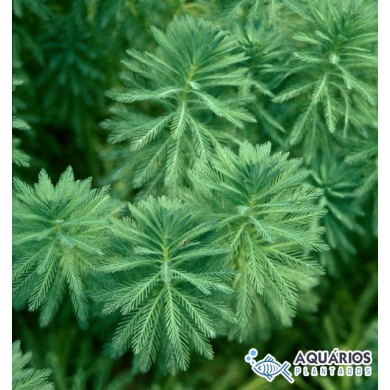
192, 179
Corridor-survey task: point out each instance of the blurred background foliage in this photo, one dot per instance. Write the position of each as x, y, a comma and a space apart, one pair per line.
313, 82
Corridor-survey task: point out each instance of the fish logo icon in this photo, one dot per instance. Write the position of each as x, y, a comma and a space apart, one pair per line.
269, 367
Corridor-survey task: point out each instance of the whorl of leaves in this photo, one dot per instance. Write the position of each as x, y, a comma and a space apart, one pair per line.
331, 71
269, 218
170, 285
59, 234
191, 83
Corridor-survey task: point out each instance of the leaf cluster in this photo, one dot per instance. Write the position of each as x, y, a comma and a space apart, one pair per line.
59, 233
191, 84
330, 72
171, 285
269, 219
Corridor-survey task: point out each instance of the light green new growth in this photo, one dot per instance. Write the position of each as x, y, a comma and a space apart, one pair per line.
59, 234
269, 218
171, 287
191, 85
24, 378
